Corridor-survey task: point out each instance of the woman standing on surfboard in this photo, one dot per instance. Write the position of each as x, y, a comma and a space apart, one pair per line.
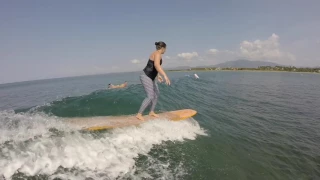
147, 78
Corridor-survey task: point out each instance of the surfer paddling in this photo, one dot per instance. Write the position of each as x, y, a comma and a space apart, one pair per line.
148, 76
111, 86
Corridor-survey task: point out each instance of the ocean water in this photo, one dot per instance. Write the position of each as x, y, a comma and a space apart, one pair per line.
250, 125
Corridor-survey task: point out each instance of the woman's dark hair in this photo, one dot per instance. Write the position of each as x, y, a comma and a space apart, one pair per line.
160, 45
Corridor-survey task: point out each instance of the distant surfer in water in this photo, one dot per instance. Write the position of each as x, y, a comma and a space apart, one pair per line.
111, 86
148, 76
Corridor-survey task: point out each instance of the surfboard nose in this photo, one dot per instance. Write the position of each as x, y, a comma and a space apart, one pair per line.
191, 112
183, 114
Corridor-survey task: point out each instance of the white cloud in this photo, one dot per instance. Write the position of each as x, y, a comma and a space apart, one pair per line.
213, 51
267, 50
263, 50
135, 61
219, 53
215, 56
188, 56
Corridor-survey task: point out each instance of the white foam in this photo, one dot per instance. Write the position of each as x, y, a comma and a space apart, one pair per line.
23, 126
110, 154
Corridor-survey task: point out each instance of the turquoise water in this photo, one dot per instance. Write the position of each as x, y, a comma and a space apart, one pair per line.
250, 125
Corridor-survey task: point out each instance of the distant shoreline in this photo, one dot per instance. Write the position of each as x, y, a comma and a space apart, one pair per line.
198, 70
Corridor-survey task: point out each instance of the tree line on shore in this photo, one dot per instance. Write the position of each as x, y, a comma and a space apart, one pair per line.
260, 68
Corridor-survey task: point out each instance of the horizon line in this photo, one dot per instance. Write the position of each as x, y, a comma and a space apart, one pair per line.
167, 68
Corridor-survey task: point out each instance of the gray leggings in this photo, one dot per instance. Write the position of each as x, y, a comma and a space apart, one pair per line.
152, 90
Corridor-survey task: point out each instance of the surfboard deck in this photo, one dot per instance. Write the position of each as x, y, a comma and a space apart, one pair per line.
110, 122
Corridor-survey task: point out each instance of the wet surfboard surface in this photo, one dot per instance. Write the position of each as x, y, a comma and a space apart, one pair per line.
110, 122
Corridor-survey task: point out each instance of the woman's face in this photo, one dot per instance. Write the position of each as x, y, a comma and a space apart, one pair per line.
163, 50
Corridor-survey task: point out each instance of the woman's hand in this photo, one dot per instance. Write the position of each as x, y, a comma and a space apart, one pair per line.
160, 79
167, 80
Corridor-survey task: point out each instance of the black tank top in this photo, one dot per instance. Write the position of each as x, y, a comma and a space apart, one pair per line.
150, 70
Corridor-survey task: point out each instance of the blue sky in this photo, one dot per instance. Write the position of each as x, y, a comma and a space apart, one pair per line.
47, 39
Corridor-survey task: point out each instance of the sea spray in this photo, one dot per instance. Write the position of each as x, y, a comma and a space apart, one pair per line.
69, 153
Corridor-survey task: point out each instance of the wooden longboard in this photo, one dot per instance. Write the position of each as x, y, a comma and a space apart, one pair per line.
109, 122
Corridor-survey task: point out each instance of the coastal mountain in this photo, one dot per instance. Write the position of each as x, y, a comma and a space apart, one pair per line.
242, 63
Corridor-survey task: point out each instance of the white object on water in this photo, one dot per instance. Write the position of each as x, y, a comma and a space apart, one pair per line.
196, 76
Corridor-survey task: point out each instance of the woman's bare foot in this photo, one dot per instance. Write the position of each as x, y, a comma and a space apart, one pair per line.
153, 114
139, 116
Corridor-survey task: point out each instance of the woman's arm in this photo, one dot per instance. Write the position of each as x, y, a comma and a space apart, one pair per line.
157, 65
